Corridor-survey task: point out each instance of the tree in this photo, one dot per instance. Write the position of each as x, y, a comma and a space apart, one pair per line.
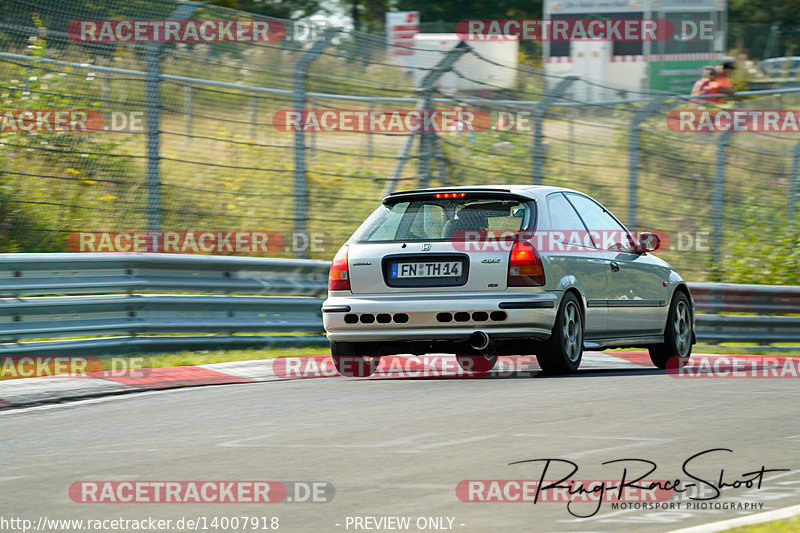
456, 10
286, 9
786, 12
372, 13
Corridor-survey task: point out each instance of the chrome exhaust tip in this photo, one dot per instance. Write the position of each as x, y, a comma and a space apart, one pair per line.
479, 341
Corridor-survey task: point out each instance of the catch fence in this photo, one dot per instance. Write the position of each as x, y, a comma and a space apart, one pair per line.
199, 148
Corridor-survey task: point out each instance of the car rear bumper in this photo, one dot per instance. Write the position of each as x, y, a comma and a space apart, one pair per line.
439, 317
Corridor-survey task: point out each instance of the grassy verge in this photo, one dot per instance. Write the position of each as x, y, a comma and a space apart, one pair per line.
187, 358
790, 525
742, 349
205, 357
194, 358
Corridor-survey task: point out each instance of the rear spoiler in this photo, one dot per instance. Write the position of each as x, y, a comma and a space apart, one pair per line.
397, 196
447, 189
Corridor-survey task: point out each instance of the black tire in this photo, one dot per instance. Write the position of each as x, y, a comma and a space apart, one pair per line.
477, 365
563, 351
677, 334
351, 362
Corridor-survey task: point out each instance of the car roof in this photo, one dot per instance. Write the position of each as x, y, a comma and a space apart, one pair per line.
531, 191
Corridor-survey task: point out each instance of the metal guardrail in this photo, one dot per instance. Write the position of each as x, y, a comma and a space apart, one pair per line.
781, 66
68, 273
738, 298
276, 298
82, 299
757, 307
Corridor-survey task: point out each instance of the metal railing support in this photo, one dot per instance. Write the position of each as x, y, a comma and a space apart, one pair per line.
718, 200
426, 143
539, 112
188, 108
391, 185
153, 120
252, 115
794, 181
634, 144
299, 103
441, 164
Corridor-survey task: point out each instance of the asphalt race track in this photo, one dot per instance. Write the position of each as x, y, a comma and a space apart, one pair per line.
400, 446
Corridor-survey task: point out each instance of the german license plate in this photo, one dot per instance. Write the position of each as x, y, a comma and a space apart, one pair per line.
428, 269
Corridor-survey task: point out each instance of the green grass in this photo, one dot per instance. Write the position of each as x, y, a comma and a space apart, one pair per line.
733, 349
193, 358
203, 357
791, 525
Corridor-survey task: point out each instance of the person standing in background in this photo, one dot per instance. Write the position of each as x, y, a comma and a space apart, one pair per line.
722, 83
703, 85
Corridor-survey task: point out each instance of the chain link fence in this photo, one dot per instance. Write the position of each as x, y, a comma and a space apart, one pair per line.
199, 149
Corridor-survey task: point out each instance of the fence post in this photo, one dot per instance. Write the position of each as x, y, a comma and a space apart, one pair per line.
718, 200
299, 76
153, 114
634, 143
253, 115
571, 142
426, 148
188, 108
438, 153
369, 135
794, 185
106, 89
398, 167
538, 118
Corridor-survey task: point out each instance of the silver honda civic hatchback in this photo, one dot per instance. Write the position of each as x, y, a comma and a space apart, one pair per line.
501, 270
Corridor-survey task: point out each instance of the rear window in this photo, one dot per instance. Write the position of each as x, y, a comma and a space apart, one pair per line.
438, 219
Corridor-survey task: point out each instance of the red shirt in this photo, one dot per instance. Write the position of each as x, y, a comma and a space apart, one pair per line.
714, 88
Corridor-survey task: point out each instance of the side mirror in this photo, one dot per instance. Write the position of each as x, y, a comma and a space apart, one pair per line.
648, 242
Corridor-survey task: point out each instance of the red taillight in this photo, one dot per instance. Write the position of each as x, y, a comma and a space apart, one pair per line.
339, 278
525, 266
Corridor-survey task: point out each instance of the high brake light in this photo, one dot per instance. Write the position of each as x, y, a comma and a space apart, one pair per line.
525, 266
339, 276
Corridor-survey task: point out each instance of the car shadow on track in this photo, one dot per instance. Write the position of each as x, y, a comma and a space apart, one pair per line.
530, 374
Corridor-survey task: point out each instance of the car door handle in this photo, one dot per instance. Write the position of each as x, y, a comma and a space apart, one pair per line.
614, 266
